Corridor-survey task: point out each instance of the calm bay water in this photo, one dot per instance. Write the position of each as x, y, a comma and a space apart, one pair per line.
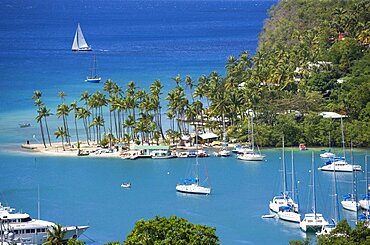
140, 41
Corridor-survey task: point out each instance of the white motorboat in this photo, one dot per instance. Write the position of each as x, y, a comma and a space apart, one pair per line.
126, 185
313, 222
161, 154
287, 213
340, 166
21, 228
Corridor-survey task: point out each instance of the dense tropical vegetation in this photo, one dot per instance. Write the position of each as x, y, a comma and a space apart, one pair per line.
160, 230
313, 56
342, 234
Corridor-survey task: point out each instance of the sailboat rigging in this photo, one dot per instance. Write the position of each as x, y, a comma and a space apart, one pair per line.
252, 155
93, 77
79, 42
192, 185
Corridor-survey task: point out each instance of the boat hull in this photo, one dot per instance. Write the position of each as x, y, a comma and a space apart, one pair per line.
312, 223
251, 157
290, 216
193, 189
93, 80
349, 205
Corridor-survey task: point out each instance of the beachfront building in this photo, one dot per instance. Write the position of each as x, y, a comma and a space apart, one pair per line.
146, 150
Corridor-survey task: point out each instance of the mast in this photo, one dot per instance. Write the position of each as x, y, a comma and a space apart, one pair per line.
284, 171
252, 135
341, 124
313, 185
293, 178
336, 206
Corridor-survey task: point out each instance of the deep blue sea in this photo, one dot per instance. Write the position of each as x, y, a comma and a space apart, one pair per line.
137, 41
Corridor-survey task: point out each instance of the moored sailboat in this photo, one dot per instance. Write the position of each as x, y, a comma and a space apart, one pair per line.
193, 185
313, 222
284, 199
291, 211
93, 78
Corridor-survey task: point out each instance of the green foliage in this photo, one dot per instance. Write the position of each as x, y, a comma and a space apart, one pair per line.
343, 234
104, 141
75, 242
172, 230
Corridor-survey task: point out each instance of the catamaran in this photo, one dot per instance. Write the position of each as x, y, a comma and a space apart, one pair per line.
79, 42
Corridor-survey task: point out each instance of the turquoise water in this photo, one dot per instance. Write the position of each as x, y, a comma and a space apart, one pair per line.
140, 41
87, 191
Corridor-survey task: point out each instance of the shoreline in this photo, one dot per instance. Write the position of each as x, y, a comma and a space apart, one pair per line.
56, 150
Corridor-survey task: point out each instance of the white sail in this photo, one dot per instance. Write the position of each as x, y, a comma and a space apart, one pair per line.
75, 44
79, 42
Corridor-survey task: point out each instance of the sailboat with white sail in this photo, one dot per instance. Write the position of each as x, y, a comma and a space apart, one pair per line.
313, 222
93, 77
283, 200
193, 185
252, 155
79, 41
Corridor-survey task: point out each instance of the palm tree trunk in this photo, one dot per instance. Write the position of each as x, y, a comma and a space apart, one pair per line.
78, 139
47, 130
42, 133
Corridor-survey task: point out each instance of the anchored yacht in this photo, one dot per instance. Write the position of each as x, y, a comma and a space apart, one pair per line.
21, 228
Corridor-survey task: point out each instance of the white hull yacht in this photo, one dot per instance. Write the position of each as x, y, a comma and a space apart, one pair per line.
21, 228
340, 166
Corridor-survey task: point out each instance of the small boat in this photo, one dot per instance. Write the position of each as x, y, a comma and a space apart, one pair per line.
183, 154
266, 216
327, 154
79, 42
82, 153
93, 78
24, 125
161, 154
222, 153
126, 185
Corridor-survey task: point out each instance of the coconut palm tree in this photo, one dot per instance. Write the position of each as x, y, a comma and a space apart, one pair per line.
84, 114
75, 112
62, 134
39, 120
63, 111
55, 235
44, 112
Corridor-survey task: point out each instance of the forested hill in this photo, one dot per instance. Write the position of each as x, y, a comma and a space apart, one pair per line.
313, 56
